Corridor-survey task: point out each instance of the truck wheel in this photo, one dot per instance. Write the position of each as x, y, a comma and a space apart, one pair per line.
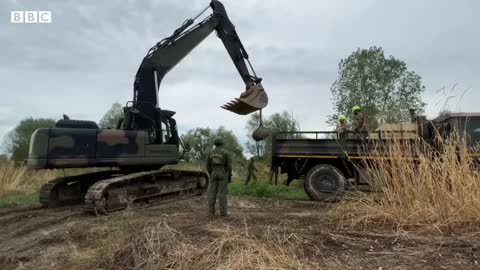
325, 183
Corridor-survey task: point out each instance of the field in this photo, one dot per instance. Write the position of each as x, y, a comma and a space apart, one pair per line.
260, 234
408, 224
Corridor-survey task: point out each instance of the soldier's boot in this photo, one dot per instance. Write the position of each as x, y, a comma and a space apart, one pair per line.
224, 211
289, 180
248, 180
211, 212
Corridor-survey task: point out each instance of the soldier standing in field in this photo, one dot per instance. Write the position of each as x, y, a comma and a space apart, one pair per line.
219, 166
251, 171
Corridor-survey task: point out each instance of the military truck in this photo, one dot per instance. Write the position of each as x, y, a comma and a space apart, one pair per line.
330, 162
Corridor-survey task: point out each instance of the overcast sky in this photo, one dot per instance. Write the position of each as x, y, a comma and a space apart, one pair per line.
87, 57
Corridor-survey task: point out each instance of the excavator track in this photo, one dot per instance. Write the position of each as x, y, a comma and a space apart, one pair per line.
71, 189
108, 191
119, 192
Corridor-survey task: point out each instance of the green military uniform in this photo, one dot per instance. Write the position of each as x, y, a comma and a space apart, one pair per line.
343, 127
359, 122
251, 171
219, 166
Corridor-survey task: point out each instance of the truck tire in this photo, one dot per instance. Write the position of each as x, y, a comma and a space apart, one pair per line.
67, 123
325, 183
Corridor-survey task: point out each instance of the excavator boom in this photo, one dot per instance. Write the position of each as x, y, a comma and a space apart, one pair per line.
162, 57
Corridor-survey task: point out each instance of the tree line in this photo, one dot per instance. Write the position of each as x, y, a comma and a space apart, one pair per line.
200, 140
383, 86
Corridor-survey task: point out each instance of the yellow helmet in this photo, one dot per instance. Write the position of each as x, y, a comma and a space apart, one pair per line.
356, 108
342, 118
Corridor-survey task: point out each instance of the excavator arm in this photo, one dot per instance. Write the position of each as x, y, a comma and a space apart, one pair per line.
162, 57
254, 98
230, 39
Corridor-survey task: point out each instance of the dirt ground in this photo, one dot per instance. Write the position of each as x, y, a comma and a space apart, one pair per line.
36, 238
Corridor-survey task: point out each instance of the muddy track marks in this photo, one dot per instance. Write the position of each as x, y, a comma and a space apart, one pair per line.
40, 238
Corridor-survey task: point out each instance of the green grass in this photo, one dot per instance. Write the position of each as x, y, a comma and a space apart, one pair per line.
264, 189
12, 199
260, 188
25, 192
237, 187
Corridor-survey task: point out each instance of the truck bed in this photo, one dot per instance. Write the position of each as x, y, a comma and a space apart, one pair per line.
322, 144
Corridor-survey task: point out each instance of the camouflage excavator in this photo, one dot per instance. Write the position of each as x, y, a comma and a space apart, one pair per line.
146, 138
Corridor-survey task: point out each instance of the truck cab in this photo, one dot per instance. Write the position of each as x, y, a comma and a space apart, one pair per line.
466, 124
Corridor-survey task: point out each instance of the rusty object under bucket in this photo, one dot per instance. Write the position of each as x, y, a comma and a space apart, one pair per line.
253, 99
260, 134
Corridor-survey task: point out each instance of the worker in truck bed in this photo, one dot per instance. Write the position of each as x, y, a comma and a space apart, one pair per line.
342, 127
359, 122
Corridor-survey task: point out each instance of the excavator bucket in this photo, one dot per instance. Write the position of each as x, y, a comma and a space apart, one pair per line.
253, 99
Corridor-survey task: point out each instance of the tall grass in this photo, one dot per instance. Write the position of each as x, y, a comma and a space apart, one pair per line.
419, 185
18, 178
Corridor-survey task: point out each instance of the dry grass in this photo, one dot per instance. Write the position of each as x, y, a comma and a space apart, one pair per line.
438, 190
161, 246
17, 178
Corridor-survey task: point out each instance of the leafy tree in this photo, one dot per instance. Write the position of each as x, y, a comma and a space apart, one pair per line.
277, 122
18, 140
383, 87
201, 140
112, 116
231, 143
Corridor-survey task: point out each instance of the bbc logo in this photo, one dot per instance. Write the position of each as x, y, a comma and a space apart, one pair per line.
31, 17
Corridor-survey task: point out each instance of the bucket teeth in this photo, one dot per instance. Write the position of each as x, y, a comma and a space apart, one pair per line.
252, 100
239, 107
